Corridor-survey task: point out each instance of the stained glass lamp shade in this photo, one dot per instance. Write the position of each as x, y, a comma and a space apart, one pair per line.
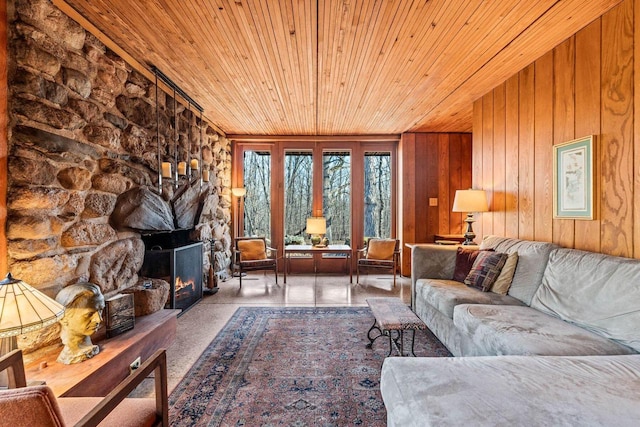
24, 309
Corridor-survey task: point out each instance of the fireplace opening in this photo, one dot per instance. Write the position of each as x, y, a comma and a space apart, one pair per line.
180, 266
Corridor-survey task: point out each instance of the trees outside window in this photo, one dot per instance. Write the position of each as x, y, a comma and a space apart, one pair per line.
336, 195
298, 195
257, 202
377, 195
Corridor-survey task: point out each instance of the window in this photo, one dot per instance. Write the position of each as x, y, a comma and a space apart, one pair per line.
350, 183
298, 195
257, 202
336, 195
377, 195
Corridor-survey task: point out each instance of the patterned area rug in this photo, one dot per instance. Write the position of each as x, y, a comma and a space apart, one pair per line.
290, 366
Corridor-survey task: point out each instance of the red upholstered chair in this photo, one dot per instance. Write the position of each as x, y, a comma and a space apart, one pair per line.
379, 253
37, 406
252, 253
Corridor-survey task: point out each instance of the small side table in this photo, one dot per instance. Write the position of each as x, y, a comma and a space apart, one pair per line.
313, 250
391, 314
455, 238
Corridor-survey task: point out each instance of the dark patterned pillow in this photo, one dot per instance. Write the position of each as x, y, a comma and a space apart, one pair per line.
486, 269
464, 261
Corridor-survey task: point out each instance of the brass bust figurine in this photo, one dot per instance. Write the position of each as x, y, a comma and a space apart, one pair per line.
83, 303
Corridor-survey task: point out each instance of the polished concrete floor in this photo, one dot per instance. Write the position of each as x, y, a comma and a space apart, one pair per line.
199, 325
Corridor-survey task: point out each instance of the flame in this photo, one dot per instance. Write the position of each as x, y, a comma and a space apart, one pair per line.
180, 284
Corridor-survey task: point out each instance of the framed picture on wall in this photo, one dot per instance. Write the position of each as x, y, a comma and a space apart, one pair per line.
573, 188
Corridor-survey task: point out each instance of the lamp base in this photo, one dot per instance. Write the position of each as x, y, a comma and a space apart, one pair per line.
315, 240
469, 235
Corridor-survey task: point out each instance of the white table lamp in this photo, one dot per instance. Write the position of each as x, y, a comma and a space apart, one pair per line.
470, 201
316, 226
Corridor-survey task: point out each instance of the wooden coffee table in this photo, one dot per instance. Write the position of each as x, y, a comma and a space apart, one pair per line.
391, 314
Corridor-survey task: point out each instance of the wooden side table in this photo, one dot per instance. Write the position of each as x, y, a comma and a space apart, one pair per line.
103, 372
312, 250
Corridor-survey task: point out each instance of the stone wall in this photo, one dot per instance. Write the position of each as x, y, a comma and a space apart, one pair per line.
82, 132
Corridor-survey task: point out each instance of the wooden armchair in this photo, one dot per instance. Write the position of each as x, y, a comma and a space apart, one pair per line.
379, 253
252, 253
37, 406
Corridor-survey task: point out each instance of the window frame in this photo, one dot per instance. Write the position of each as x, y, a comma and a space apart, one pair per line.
278, 146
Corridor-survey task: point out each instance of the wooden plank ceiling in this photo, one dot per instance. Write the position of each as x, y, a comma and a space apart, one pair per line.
338, 67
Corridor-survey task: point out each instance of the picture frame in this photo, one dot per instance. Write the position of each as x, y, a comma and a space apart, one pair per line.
573, 182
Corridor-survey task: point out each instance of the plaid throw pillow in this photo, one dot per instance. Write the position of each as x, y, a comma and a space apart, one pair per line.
486, 269
464, 261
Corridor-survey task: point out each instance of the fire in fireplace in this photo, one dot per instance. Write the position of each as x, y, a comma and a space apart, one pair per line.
181, 266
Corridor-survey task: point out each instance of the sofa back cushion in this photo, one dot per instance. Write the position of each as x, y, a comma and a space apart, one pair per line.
532, 260
598, 292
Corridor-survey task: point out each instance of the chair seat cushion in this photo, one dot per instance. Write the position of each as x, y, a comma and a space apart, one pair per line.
30, 406
261, 263
375, 263
130, 412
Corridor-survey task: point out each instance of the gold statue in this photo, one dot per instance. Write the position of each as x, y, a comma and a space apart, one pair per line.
84, 303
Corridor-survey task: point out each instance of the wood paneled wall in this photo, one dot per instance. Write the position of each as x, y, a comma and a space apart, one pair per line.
433, 165
583, 86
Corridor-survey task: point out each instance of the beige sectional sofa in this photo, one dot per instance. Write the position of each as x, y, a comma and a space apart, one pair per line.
561, 348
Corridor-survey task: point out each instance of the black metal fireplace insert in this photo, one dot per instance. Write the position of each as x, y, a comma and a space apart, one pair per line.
173, 258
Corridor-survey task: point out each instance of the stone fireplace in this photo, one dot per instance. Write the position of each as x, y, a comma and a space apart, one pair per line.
83, 133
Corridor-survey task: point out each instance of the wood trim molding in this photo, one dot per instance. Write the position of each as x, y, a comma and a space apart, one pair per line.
4, 119
314, 138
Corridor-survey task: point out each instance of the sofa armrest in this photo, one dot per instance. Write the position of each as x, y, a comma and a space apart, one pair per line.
430, 261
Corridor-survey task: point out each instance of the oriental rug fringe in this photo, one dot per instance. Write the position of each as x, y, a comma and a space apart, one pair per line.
290, 366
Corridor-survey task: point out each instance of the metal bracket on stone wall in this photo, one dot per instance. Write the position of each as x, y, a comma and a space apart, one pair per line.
179, 168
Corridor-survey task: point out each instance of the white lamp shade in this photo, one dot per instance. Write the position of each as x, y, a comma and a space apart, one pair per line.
24, 309
239, 191
316, 225
470, 201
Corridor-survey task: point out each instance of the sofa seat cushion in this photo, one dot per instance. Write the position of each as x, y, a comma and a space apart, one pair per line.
597, 292
512, 330
512, 391
444, 295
